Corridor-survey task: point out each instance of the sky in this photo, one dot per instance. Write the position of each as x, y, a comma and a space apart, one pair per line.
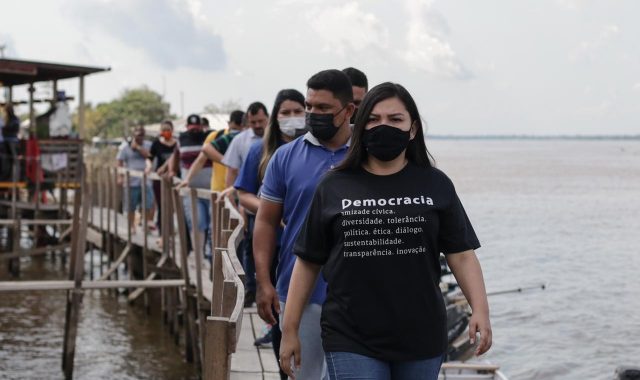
529, 67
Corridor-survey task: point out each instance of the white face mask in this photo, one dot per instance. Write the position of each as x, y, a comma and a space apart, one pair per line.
292, 126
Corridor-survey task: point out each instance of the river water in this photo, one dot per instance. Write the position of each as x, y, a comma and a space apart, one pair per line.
115, 340
561, 212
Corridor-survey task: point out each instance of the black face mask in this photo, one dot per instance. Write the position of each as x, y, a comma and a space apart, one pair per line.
385, 142
321, 125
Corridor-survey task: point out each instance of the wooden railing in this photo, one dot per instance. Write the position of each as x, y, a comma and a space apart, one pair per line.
213, 292
200, 300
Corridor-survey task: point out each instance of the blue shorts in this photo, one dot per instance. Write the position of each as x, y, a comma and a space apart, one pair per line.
135, 200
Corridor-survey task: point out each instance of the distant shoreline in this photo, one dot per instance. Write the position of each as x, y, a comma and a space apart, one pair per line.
533, 137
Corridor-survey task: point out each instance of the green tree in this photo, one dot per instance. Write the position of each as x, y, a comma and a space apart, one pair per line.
134, 107
225, 107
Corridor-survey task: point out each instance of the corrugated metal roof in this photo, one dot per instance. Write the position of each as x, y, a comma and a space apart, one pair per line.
16, 72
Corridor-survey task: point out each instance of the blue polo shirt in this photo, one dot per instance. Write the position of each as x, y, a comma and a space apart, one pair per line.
247, 179
291, 179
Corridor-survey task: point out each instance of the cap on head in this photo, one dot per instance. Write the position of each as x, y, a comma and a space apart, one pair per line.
194, 119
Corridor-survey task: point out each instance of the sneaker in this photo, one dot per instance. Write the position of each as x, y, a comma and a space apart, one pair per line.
249, 298
266, 340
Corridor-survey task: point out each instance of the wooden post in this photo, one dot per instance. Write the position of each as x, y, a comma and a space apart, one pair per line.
198, 246
101, 204
145, 232
81, 131
218, 283
14, 265
127, 203
76, 273
218, 363
115, 191
110, 187
36, 214
164, 238
191, 342
198, 243
32, 114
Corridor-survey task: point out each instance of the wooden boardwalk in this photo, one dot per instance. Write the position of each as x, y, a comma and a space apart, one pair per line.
248, 362
201, 301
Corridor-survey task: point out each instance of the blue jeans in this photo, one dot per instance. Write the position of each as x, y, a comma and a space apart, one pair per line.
346, 365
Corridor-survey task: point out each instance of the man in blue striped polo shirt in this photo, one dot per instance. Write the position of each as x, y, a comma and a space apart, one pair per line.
289, 183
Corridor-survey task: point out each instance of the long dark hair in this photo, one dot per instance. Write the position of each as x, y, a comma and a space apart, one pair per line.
272, 134
416, 153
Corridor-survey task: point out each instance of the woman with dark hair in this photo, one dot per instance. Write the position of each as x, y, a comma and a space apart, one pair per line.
376, 228
285, 124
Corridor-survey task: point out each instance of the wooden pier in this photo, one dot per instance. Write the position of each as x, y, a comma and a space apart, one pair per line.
200, 301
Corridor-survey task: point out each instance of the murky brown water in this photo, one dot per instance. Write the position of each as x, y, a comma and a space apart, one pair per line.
115, 340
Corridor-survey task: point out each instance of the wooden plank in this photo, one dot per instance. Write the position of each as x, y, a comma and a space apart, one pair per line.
12, 185
18, 286
34, 251
120, 221
30, 206
94, 237
268, 360
38, 222
246, 338
246, 376
246, 361
471, 366
259, 326
116, 264
150, 277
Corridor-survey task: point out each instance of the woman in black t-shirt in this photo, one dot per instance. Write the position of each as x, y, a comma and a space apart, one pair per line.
161, 150
376, 227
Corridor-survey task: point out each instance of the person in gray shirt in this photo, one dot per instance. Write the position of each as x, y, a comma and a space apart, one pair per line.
257, 119
133, 155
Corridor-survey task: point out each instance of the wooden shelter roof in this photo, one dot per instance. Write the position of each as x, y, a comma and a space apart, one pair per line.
17, 72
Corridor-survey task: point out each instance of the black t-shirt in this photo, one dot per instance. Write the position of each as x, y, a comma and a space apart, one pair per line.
161, 151
379, 239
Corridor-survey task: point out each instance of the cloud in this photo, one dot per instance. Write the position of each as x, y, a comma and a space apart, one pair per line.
6, 42
588, 49
173, 33
636, 87
346, 29
571, 5
426, 48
